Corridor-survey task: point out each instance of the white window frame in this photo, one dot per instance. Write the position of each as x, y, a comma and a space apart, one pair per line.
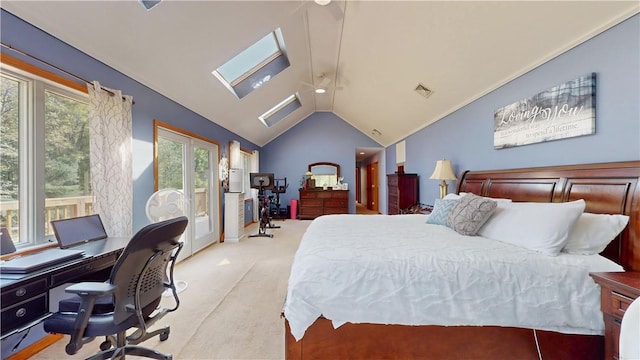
257, 68
31, 149
246, 169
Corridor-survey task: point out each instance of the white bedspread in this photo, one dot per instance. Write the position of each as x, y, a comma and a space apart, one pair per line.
399, 270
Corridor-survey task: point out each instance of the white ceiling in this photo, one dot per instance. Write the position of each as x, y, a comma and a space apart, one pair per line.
376, 54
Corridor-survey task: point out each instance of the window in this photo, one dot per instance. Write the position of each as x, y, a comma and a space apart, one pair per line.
280, 111
254, 66
246, 165
44, 155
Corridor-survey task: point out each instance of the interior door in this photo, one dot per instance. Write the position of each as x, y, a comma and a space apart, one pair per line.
368, 188
358, 196
188, 164
375, 194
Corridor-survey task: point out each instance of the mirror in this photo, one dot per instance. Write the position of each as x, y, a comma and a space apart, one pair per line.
325, 173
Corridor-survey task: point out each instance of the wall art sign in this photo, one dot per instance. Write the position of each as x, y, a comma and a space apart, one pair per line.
564, 111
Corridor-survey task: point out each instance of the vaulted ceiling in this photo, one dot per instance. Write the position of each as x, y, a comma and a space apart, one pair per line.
374, 52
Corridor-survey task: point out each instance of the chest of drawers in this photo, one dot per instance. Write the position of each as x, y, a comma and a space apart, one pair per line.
233, 216
314, 203
402, 190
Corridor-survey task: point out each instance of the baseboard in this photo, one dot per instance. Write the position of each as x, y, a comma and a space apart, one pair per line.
36, 347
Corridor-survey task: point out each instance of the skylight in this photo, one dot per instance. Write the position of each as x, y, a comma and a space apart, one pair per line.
256, 65
280, 111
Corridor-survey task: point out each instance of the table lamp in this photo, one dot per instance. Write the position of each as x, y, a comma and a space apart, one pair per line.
444, 172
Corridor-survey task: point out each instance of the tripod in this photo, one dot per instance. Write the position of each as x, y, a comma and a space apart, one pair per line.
263, 211
280, 187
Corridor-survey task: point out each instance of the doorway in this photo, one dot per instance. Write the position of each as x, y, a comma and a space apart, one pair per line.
372, 187
189, 163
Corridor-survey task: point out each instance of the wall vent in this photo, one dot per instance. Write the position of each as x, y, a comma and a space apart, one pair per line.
423, 90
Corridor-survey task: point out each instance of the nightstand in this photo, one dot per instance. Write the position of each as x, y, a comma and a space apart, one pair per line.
618, 290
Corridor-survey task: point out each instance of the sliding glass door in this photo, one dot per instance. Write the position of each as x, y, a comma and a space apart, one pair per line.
188, 164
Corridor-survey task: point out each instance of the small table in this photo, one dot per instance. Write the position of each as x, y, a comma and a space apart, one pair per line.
618, 290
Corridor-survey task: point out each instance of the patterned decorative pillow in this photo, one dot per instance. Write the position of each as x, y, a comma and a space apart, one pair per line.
441, 210
470, 213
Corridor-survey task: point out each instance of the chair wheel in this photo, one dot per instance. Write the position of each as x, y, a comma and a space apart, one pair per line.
71, 349
105, 345
164, 336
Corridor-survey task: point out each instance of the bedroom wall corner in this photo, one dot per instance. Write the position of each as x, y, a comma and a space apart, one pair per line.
322, 136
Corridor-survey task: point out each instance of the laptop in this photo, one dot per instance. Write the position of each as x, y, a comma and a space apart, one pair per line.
78, 230
40, 260
6, 243
70, 233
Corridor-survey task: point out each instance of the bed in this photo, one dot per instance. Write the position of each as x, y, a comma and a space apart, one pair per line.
609, 188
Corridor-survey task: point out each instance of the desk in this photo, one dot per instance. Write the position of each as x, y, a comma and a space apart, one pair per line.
25, 297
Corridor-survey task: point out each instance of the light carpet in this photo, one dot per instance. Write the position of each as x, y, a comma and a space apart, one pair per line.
231, 307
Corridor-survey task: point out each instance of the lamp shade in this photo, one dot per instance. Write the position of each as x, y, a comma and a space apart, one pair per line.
443, 171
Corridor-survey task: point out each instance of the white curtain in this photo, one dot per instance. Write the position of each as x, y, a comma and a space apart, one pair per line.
255, 167
110, 147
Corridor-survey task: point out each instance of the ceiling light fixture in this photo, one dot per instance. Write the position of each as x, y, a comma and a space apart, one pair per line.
324, 81
321, 86
376, 132
322, 2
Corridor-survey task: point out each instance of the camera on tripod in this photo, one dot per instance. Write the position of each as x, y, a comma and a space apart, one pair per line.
268, 206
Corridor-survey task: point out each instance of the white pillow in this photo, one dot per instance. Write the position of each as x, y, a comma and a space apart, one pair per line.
542, 227
593, 232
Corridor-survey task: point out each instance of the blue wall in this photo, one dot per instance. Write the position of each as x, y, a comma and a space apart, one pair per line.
149, 105
322, 136
466, 136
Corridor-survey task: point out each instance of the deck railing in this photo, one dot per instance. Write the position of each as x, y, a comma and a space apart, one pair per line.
55, 208
67, 207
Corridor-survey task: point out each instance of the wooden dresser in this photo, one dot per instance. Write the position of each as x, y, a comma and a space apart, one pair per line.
402, 190
618, 290
314, 203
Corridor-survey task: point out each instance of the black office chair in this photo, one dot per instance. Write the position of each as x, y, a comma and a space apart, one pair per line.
128, 300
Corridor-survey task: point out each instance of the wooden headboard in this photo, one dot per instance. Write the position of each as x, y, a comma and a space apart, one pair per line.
607, 188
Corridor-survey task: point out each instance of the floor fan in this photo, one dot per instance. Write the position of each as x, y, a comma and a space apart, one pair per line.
166, 204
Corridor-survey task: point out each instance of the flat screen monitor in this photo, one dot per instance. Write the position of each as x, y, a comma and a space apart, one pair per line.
261, 180
78, 230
